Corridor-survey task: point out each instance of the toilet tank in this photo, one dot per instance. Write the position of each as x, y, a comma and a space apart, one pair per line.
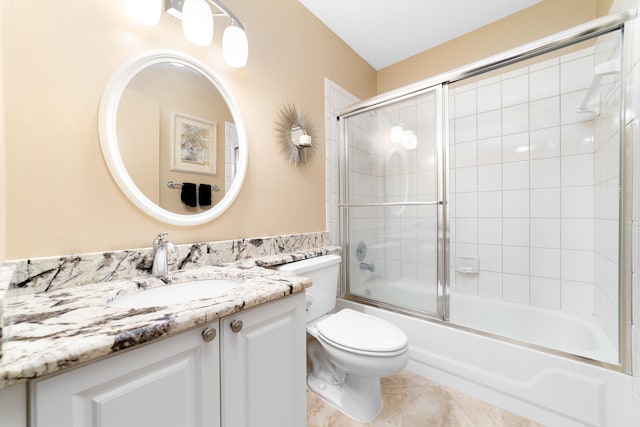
324, 272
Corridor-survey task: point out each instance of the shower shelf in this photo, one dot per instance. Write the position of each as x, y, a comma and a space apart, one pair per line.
605, 68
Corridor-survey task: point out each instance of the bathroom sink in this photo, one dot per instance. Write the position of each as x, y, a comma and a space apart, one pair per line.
177, 293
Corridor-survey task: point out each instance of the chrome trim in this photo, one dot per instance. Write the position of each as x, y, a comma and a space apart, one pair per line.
367, 205
343, 217
556, 41
444, 285
625, 217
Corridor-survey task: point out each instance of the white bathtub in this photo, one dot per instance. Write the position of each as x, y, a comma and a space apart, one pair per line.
572, 333
567, 332
544, 387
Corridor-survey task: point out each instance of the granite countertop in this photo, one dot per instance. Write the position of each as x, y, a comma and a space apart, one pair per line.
47, 332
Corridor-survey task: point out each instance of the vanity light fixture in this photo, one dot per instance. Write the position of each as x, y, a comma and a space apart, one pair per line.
197, 18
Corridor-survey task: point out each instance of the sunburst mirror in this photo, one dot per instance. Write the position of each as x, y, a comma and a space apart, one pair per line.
295, 134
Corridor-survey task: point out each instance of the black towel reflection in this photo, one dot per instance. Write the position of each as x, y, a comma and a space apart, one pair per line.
188, 194
204, 195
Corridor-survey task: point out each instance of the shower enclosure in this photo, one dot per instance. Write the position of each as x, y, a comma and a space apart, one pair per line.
490, 197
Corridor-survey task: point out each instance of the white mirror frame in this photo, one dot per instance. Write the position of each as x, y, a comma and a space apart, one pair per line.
109, 141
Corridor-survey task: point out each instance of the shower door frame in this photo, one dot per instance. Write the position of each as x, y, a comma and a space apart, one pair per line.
589, 30
442, 163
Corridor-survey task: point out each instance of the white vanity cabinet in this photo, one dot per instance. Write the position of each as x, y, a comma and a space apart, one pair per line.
173, 382
263, 358
254, 377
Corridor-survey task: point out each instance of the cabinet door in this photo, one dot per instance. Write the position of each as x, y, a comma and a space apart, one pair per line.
264, 366
173, 382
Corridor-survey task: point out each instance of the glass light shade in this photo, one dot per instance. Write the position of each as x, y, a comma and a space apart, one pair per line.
197, 22
396, 133
146, 12
409, 140
235, 47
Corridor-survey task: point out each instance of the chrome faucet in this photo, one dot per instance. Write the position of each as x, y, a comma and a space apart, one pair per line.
161, 248
365, 266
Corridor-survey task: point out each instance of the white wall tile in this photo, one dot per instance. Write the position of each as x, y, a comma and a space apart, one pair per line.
465, 129
465, 103
544, 143
515, 90
466, 154
467, 283
490, 284
545, 263
489, 124
490, 257
489, 97
489, 151
489, 204
578, 233
544, 83
515, 176
489, 231
576, 265
545, 203
545, 232
515, 204
466, 179
544, 113
577, 170
466, 230
489, 177
466, 205
515, 147
545, 173
515, 231
577, 138
515, 119
515, 288
515, 260
577, 202
576, 75
545, 292
577, 297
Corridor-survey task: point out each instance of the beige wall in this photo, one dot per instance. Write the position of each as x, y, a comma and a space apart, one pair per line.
543, 19
57, 58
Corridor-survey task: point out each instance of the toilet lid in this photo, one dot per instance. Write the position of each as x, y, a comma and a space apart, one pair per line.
360, 331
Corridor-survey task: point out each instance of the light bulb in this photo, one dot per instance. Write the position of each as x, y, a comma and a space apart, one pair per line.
396, 133
146, 12
409, 140
197, 22
235, 47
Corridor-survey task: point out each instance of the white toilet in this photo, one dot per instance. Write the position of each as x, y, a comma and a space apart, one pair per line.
349, 351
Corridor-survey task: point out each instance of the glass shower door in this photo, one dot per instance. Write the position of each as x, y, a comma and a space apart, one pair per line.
392, 202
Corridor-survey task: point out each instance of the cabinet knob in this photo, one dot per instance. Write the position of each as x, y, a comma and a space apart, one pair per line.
236, 325
208, 334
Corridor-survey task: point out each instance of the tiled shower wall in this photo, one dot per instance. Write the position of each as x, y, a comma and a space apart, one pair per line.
522, 187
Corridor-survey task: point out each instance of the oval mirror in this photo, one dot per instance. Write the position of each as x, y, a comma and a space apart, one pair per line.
173, 138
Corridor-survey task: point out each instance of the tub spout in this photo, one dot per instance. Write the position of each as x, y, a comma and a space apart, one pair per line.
366, 266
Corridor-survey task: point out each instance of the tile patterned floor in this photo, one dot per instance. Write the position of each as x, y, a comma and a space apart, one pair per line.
412, 401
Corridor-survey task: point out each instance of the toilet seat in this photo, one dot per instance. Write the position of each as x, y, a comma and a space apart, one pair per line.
361, 333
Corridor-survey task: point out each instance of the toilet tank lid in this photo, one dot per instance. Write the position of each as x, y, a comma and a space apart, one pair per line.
300, 267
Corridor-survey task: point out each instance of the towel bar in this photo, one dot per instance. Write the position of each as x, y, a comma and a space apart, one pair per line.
173, 185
